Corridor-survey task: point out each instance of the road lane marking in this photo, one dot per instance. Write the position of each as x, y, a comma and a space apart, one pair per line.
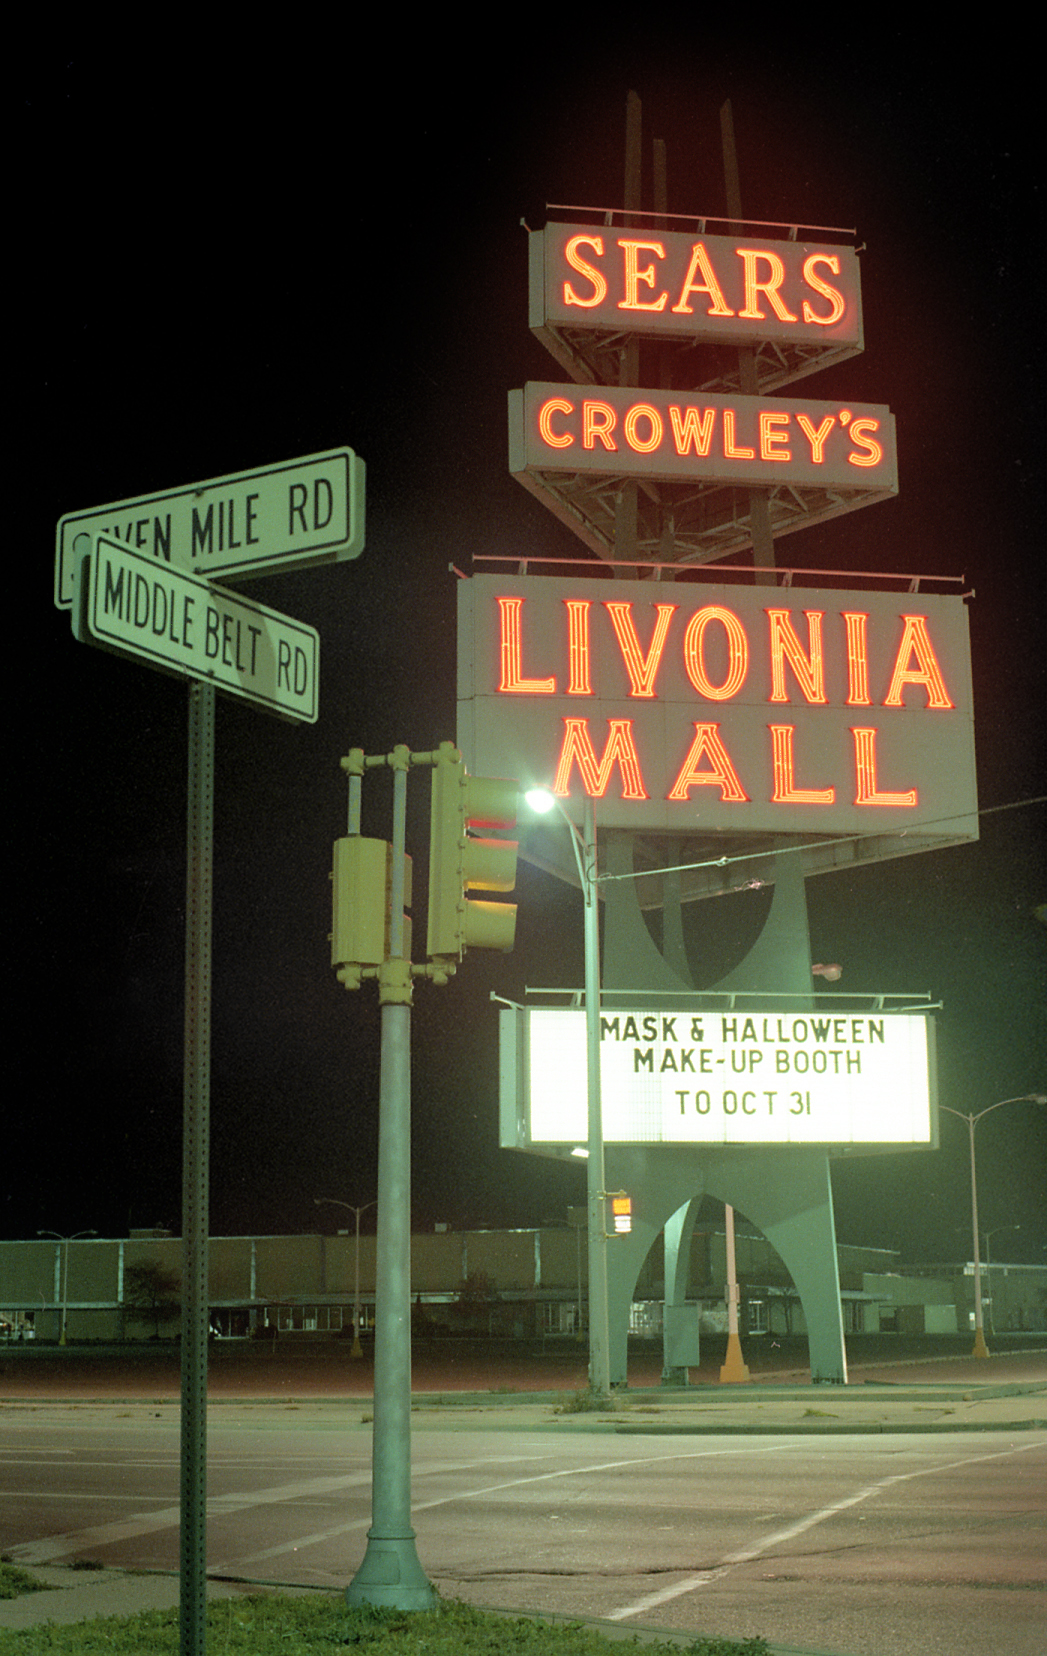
147, 1523
746, 1555
320, 1536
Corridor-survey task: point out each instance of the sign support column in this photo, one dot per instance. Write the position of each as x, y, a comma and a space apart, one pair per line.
195, 1169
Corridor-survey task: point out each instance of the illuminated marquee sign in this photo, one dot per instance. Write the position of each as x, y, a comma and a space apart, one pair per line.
671, 436
716, 1078
689, 707
723, 290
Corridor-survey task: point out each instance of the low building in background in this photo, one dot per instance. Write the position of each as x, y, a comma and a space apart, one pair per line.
512, 1284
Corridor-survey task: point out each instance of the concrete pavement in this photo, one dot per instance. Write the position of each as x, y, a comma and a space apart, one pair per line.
1009, 1395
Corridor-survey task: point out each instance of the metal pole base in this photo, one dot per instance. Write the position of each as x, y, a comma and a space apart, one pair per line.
390, 1574
675, 1377
980, 1347
734, 1371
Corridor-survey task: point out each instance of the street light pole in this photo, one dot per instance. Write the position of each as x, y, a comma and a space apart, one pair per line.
332, 1201
583, 844
980, 1348
65, 1241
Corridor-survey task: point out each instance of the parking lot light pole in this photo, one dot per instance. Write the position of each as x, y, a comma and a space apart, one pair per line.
980, 1348
583, 844
65, 1241
332, 1201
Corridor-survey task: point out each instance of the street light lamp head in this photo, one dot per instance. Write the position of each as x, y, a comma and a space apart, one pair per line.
540, 800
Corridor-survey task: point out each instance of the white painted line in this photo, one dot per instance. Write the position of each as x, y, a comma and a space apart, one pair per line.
321, 1536
745, 1555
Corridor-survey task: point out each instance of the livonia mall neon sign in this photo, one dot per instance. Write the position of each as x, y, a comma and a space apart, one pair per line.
691, 705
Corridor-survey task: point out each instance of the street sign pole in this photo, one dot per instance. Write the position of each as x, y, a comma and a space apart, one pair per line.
195, 1170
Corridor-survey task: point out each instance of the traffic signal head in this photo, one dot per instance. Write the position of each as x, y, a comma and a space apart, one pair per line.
362, 879
460, 862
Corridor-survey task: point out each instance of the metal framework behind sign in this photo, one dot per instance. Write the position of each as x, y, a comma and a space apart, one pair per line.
797, 304
696, 458
709, 1077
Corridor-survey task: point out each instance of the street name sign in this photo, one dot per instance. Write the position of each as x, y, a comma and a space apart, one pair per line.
292, 515
125, 602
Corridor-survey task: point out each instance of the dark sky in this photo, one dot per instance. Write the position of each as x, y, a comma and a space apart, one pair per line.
230, 255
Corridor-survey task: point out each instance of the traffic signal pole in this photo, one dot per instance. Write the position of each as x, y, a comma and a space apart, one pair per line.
390, 1572
370, 940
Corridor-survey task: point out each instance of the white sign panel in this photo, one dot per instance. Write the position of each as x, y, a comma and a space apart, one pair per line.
127, 603
289, 516
671, 1077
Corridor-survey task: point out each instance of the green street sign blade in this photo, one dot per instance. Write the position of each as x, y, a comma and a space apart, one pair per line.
291, 515
129, 604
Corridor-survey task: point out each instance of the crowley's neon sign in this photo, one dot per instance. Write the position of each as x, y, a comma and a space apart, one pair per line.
691, 705
695, 437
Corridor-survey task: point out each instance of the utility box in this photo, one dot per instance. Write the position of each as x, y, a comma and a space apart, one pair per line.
680, 1336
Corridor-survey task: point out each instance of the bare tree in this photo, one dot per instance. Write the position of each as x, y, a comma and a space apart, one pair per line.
151, 1294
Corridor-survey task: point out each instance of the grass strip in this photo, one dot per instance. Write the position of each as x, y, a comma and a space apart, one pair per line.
284, 1625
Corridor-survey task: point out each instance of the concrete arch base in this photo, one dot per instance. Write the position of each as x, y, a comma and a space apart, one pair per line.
786, 1193
785, 1190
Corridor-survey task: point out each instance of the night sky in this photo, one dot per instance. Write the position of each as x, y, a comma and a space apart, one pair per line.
231, 255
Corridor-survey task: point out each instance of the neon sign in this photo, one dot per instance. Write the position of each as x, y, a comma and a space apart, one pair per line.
676, 436
689, 707
730, 290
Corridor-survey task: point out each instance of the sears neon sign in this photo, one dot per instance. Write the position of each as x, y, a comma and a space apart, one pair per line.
727, 289
695, 705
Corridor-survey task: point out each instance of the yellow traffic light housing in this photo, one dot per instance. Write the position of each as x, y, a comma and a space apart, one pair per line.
362, 879
460, 862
